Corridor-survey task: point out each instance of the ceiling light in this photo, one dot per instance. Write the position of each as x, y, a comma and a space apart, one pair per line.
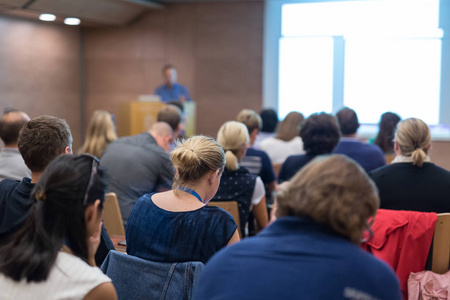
47, 17
72, 21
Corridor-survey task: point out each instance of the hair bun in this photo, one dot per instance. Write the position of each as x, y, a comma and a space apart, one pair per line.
194, 157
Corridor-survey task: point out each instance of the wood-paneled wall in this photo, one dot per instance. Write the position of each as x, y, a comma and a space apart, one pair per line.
39, 70
216, 47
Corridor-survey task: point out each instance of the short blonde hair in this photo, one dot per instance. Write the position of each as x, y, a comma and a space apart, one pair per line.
413, 138
332, 190
250, 119
100, 133
195, 157
233, 137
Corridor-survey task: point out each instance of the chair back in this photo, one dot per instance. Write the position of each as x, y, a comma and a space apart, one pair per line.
112, 218
389, 158
276, 169
441, 244
137, 278
231, 207
402, 239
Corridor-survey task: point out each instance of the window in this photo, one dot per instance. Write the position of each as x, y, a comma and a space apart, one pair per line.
373, 56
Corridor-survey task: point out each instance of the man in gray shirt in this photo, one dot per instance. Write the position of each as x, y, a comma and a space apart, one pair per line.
12, 165
139, 164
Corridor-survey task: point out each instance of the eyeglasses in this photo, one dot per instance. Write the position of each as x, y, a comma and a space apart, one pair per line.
94, 168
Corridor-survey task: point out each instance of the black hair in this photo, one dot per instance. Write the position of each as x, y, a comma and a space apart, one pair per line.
348, 121
57, 218
385, 137
269, 120
320, 134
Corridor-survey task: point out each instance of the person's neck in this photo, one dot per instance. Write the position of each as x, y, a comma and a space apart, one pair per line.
11, 146
353, 135
35, 176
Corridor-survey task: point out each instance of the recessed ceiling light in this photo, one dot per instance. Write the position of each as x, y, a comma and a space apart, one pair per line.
47, 17
72, 21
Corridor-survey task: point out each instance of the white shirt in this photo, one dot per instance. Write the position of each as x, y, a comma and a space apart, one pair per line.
70, 279
12, 165
278, 150
258, 192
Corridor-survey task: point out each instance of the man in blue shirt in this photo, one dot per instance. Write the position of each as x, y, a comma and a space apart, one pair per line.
369, 156
171, 90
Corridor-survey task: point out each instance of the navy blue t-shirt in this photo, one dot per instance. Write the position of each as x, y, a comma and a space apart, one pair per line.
296, 258
258, 162
292, 165
159, 235
369, 156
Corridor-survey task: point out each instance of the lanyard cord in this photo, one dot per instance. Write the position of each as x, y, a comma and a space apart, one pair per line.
189, 191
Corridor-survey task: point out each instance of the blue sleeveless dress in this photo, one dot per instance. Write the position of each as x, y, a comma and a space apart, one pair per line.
159, 235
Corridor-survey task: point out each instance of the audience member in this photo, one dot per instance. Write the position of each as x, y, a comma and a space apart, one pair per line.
177, 226
100, 133
287, 141
412, 181
385, 136
52, 255
269, 119
171, 90
172, 115
12, 165
139, 164
257, 161
40, 141
312, 250
237, 183
369, 156
320, 134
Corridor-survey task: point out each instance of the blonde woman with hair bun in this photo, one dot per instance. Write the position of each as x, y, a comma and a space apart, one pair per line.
237, 183
177, 225
99, 134
412, 181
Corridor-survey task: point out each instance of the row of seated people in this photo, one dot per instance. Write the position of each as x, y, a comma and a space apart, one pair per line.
163, 222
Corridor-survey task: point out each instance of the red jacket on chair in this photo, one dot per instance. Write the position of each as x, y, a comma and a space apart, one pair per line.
402, 239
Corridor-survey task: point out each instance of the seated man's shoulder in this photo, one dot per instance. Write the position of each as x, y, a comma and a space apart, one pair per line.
255, 152
373, 148
8, 184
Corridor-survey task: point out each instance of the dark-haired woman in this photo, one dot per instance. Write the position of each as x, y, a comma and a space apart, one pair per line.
52, 256
385, 137
320, 134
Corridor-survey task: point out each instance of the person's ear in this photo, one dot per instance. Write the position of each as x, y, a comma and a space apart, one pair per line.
67, 150
93, 215
396, 148
213, 176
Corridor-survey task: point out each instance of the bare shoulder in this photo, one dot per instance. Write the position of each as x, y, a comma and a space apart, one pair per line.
104, 291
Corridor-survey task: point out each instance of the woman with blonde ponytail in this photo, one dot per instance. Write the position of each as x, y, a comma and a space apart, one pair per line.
412, 181
177, 225
237, 183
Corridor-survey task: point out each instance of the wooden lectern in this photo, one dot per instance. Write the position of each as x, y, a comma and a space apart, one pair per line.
138, 116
